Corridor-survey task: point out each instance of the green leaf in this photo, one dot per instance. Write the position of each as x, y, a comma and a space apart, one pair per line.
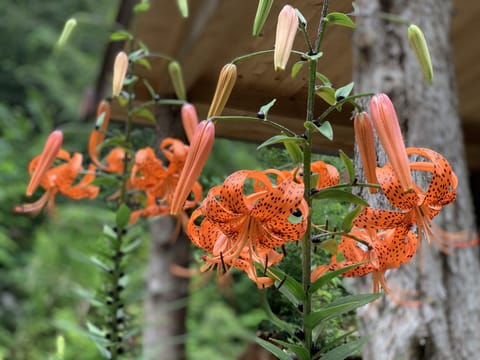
107, 182
329, 245
325, 80
327, 93
347, 223
279, 353
337, 18
183, 7
109, 233
132, 246
339, 195
146, 113
348, 165
266, 108
123, 215
339, 307
280, 139
343, 92
301, 19
296, 68
328, 276
300, 351
345, 350
145, 63
325, 129
121, 35
290, 287
295, 152
100, 264
149, 87
141, 7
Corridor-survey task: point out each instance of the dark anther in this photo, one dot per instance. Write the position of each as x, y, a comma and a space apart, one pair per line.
300, 307
224, 268
281, 283
297, 213
266, 265
284, 251
299, 334
340, 98
261, 115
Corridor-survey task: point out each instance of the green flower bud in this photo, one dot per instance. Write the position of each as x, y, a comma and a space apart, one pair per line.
175, 71
183, 7
419, 45
70, 24
261, 16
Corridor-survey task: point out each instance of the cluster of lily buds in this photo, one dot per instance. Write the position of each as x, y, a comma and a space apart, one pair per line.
287, 26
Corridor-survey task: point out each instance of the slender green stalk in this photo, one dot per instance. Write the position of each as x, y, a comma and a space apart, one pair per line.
321, 26
259, 53
255, 119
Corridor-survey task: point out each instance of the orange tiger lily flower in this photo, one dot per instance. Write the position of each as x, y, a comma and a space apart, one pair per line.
235, 226
328, 174
98, 133
418, 207
60, 179
379, 252
45, 160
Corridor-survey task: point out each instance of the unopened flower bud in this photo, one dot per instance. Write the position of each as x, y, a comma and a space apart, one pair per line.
70, 24
98, 133
385, 121
47, 157
366, 146
120, 68
175, 72
287, 26
419, 45
226, 81
200, 148
189, 120
261, 16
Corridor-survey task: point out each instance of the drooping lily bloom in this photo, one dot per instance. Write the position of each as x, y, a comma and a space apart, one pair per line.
417, 207
198, 153
287, 26
386, 124
60, 179
366, 145
45, 160
378, 253
159, 181
235, 225
120, 67
327, 174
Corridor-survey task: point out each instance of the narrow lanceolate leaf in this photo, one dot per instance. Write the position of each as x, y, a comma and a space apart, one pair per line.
279, 353
295, 152
345, 350
121, 35
328, 276
123, 215
296, 68
68, 28
339, 307
145, 113
100, 264
261, 16
300, 351
348, 165
277, 139
347, 223
337, 18
287, 285
339, 195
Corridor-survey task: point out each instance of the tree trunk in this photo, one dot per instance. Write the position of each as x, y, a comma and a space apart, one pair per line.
446, 324
165, 301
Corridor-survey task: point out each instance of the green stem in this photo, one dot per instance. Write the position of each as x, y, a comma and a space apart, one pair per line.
158, 102
255, 119
321, 26
259, 53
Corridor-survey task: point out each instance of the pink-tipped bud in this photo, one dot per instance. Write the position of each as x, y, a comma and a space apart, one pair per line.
366, 147
46, 159
200, 148
388, 130
287, 26
120, 68
189, 120
226, 81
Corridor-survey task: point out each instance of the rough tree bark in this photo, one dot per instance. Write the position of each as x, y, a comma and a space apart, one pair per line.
164, 306
446, 325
